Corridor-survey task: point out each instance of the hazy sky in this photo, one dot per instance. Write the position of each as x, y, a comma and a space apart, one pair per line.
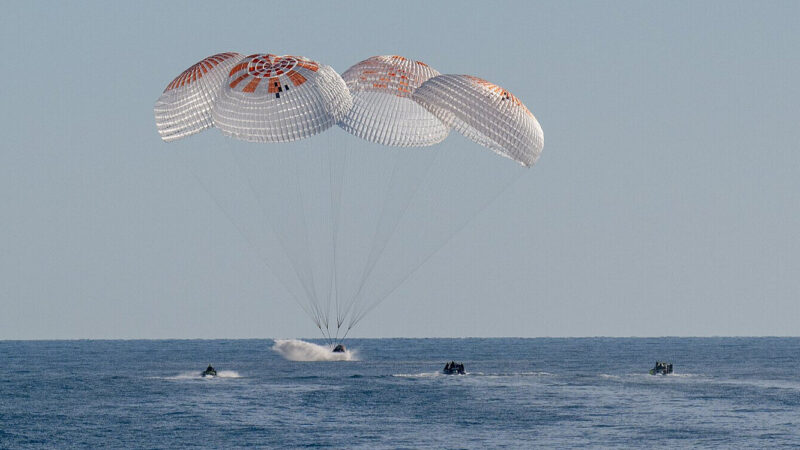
665, 201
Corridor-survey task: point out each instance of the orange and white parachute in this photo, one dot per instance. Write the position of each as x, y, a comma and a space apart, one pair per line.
485, 113
184, 107
258, 98
390, 100
269, 98
383, 110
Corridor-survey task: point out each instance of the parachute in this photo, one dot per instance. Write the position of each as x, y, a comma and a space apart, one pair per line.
343, 225
250, 106
185, 106
383, 111
485, 113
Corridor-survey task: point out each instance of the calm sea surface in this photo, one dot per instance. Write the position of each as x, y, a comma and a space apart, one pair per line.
592, 392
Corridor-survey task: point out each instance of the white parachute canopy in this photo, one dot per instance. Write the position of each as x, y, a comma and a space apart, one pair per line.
185, 106
485, 113
383, 110
269, 98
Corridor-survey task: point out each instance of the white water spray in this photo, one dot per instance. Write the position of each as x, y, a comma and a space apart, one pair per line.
297, 350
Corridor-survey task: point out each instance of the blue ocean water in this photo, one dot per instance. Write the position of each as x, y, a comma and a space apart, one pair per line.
519, 393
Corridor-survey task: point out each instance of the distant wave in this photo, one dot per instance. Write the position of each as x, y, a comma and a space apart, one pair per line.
513, 374
644, 376
418, 375
297, 350
672, 375
609, 376
764, 384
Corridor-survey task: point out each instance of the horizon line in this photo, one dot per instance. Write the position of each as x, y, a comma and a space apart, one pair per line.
400, 337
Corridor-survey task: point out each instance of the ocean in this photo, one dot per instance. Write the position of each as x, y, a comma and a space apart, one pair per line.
517, 393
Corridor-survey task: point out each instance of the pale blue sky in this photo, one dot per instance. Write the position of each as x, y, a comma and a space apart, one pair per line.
665, 201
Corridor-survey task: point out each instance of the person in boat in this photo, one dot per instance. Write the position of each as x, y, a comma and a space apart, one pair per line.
339, 349
661, 368
454, 367
657, 369
209, 371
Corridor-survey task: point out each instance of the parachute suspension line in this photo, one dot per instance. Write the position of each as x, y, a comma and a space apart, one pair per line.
376, 253
325, 334
332, 285
314, 314
307, 249
346, 167
342, 298
373, 244
301, 267
329, 295
336, 172
318, 158
360, 315
249, 241
345, 332
336, 182
324, 160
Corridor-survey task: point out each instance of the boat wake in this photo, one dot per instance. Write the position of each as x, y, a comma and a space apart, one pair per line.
297, 350
473, 374
419, 375
512, 374
196, 375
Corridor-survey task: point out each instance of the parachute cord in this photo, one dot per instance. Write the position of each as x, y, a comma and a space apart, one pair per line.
305, 231
260, 202
336, 198
345, 334
385, 243
308, 270
373, 242
330, 287
327, 337
249, 242
344, 170
357, 318
297, 270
